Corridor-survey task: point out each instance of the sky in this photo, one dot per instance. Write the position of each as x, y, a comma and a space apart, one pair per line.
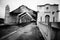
32, 4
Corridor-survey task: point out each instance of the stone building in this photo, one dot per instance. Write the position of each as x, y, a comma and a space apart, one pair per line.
20, 15
48, 16
47, 13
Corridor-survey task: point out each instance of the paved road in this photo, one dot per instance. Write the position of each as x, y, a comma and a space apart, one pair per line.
46, 31
24, 30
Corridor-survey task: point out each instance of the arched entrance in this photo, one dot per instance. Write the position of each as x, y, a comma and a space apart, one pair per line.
21, 18
18, 19
47, 19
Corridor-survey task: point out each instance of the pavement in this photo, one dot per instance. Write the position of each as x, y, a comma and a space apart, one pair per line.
24, 30
6, 29
46, 31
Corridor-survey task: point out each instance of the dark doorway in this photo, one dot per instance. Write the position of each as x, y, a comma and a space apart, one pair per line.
47, 19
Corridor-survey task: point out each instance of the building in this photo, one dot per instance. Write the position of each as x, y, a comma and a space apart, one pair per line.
47, 13
20, 15
48, 16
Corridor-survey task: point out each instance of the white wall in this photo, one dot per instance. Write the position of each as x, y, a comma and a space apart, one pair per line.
42, 10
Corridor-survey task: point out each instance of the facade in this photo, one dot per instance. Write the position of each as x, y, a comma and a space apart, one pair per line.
47, 13
20, 15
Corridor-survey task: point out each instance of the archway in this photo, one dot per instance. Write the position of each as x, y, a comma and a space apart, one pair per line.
47, 19
18, 18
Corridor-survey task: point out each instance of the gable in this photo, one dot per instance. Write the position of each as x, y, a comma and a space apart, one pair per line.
20, 10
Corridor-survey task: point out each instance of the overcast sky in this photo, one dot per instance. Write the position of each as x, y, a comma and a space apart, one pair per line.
32, 4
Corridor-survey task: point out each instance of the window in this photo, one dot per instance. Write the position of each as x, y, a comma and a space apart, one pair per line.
53, 19
41, 19
47, 7
53, 12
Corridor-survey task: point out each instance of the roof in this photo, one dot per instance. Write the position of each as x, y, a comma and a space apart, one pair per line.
47, 4
19, 10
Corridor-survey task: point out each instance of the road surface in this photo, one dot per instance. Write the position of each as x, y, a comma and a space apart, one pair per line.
26, 33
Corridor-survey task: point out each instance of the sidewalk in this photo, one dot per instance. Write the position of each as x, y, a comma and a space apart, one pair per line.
46, 31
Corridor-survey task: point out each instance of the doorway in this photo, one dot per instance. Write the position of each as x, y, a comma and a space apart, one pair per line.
47, 19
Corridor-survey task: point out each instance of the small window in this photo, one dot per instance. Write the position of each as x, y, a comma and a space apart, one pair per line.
47, 7
53, 19
53, 12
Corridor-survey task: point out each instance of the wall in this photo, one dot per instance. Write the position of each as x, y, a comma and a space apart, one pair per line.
42, 12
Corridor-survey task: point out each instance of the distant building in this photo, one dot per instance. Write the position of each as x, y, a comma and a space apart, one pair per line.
20, 15
47, 13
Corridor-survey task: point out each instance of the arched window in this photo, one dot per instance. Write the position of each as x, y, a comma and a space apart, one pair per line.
47, 7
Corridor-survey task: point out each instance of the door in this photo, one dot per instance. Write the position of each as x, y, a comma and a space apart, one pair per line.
47, 18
